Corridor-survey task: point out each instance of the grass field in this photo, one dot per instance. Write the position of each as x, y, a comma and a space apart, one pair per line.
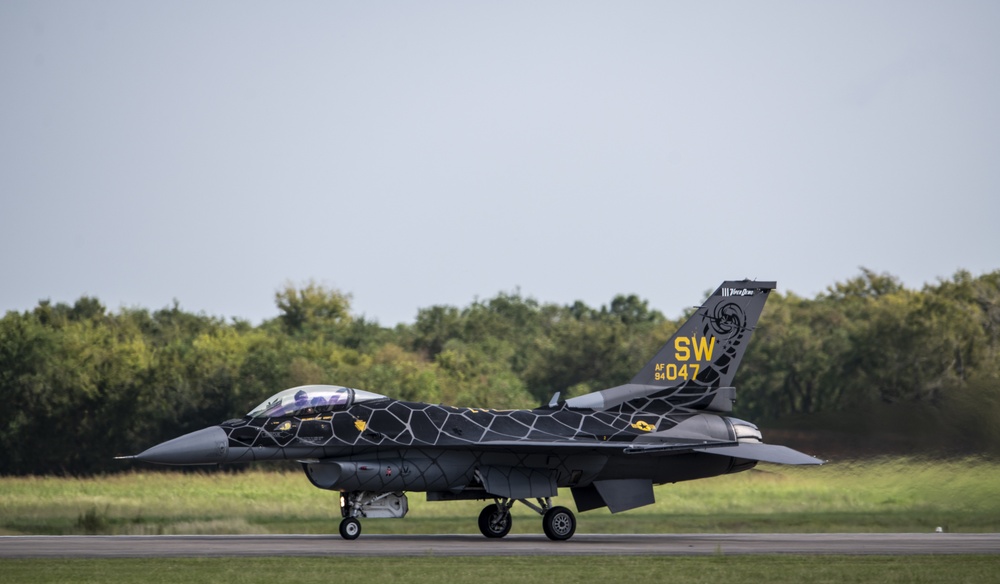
691, 570
888, 495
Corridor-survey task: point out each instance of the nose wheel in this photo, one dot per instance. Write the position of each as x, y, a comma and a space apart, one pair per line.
350, 528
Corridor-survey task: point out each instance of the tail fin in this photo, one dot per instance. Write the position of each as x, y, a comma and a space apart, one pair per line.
708, 348
695, 369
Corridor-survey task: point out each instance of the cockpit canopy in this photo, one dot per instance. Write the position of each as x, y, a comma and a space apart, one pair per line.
311, 399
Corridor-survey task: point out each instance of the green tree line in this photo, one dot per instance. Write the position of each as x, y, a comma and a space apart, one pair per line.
80, 384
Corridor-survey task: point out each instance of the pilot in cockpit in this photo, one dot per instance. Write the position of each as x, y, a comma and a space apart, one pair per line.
302, 403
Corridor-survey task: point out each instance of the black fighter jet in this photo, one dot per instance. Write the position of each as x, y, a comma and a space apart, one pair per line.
609, 447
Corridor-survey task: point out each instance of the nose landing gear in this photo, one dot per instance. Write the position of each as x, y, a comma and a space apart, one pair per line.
350, 528
357, 504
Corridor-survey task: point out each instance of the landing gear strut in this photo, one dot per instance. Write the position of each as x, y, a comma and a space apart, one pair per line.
558, 523
350, 509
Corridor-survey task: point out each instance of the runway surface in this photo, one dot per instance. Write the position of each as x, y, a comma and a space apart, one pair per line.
193, 546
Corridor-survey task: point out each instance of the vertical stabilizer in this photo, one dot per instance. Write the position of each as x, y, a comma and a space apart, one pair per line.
695, 369
708, 348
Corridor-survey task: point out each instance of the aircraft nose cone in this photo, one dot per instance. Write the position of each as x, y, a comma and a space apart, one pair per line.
205, 446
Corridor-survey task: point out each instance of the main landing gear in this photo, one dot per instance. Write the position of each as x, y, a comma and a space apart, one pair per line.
558, 523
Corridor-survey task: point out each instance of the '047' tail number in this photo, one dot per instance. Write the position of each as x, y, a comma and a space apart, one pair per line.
673, 372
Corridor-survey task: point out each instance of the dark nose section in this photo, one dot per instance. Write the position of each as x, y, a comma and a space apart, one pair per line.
206, 446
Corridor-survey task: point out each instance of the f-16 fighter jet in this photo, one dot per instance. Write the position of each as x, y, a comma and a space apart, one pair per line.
668, 424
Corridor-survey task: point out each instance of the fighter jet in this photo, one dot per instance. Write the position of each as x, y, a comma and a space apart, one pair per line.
609, 448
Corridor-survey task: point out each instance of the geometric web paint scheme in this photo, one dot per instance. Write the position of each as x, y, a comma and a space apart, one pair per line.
609, 447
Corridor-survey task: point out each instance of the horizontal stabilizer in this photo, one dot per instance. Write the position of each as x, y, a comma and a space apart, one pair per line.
762, 452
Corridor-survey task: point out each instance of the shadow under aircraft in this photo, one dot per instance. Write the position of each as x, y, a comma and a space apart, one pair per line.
610, 447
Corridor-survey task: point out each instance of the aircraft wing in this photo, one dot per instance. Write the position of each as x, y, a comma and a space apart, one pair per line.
747, 450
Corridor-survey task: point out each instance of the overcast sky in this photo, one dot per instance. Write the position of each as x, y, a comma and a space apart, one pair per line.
422, 153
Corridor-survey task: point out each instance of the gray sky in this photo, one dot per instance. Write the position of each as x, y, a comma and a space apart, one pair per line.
421, 153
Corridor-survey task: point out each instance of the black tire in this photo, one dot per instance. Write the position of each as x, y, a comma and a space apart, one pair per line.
494, 521
559, 524
350, 528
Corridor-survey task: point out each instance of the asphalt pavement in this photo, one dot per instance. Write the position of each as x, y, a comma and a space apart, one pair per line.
165, 546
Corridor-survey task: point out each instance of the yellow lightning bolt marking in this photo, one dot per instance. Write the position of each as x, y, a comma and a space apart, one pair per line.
644, 426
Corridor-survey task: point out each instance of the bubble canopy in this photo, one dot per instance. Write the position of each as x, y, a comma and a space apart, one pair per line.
311, 399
